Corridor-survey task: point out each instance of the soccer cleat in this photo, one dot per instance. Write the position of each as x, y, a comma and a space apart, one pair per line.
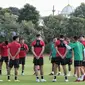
16, 80
54, 80
84, 78
1, 80
51, 74
37, 80
77, 80
66, 80
43, 80
22, 74
59, 73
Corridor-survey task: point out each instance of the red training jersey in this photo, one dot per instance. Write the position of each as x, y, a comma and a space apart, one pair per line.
23, 50
4, 50
38, 49
83, 42
61, 49
14, 46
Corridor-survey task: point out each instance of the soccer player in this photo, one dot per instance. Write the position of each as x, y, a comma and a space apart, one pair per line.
82, 40
38, 47
53, 55
69, 57
78, 49
61, 57
22, 55
4, 55
13, 51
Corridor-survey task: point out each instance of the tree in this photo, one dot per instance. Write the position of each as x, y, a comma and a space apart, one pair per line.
14, 10
80, 11
29, 13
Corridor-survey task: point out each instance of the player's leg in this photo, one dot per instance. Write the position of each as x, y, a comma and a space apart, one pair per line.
63, 63
59, 70
16, 66
77, 67
69, 66
23, 65
36, 63
6, 62
1, 62
41, 62
9, 69
52, 62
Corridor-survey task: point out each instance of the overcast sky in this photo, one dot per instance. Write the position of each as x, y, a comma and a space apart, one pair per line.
44, 6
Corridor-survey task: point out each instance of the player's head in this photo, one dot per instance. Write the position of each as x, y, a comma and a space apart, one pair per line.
54, 40
6, 42
68, 40
61, 37
38, 36
22, 40
81, 38
75, 38
16, 38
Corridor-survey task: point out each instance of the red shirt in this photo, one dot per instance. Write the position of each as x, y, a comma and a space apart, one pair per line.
4, 50
83, 42
23, 50
14, 46
38, 50
61, 50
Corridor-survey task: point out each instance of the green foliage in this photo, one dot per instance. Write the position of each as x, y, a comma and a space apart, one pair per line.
80, 11
29, 13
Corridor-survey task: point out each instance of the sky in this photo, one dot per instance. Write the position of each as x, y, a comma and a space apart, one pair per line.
43, 6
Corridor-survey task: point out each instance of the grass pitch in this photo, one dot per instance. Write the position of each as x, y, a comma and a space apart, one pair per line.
29, 78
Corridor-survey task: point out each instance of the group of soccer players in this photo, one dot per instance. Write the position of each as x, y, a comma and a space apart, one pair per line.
13, 54
63, 51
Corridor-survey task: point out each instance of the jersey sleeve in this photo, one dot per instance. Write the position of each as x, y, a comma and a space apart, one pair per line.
33, 43
42, 43
57, 43
72, 45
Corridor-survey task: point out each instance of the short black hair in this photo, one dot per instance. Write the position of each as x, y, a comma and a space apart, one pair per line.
61, 36
6, 42
38, 35
75, 38
15, 37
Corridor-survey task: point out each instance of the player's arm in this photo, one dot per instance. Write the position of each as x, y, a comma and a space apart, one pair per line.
27, 49
17, 53
9, 54
43, 48
33, 51
65, 53
58, 51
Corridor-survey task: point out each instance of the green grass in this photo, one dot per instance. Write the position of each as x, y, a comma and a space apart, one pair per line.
29, 78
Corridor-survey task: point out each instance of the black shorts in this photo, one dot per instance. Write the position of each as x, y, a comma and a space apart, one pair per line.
39, 61
14, 63
53, 60
69, 61
5, 59
22, 61
83, 63
77, 63
61, 61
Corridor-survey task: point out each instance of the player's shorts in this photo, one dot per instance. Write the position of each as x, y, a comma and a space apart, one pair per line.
69, 61
14, 63
4, 58
83, 63
77, 63
22, 61
61, 61
39, 61
53, 60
